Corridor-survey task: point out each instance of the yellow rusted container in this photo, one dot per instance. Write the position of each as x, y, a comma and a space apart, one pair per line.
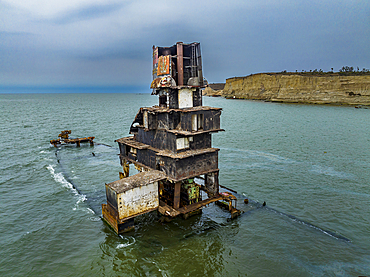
134, 195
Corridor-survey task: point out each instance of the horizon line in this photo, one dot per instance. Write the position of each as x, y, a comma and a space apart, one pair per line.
73, 89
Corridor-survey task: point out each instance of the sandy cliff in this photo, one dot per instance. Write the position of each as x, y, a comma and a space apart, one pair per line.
214, 89
300, 88
208, 91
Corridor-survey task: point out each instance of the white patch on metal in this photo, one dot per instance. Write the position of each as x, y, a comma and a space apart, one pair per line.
138, 200
194, 122
182, 143
146, 120
185, 98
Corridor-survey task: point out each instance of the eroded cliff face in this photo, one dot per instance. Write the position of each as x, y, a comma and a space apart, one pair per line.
208, 91
295, 88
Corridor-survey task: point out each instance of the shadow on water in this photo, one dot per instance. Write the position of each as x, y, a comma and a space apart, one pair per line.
155, 249
92, 198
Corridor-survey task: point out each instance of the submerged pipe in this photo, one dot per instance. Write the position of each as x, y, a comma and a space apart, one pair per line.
328, 232
69, 180
258, 206
296, 219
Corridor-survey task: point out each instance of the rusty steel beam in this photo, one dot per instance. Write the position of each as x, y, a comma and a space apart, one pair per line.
195, 206
146, 168
199, 62
126, 169
228, 197
166, 210
228, 188
176, 200
180, 64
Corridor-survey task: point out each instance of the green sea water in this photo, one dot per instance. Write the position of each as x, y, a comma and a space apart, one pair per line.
309, 163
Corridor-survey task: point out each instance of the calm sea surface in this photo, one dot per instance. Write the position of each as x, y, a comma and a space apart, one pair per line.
311, 164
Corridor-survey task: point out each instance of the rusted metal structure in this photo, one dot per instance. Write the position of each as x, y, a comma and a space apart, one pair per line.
170, 146
64, 139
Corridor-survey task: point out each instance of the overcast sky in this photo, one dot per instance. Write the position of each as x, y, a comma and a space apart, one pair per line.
108, 42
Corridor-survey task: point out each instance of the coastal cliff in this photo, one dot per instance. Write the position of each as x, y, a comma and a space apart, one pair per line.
298, 88
214, 89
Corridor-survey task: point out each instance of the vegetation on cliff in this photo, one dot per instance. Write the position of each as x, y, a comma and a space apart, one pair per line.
344, 71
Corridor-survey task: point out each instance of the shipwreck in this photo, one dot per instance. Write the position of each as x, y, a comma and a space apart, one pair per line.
171, 147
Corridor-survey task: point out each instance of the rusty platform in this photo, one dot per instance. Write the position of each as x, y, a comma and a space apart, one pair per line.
64, 139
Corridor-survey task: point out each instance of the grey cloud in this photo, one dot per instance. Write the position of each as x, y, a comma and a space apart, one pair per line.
112, 43
87, 13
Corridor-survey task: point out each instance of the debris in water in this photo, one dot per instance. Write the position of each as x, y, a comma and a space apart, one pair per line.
64, 139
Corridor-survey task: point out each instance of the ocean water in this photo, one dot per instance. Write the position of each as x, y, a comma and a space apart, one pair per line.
310, 164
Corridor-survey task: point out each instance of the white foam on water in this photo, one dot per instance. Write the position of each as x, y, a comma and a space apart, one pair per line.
159, 269
130, 241
82, 198
58, 177
94, 218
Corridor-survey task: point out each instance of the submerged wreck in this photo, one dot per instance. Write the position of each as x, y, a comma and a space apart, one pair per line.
170, 145
63, 138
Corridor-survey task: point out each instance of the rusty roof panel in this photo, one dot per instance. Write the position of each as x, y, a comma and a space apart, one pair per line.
133, 143
192, 133
186, 154
137, 180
